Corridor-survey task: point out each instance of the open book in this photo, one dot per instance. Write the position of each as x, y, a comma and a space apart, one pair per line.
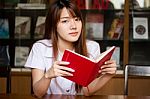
86, 70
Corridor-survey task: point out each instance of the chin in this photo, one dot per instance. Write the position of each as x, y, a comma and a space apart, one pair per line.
72, 39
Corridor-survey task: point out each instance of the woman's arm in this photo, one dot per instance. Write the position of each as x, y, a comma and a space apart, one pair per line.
107, 72
41, 80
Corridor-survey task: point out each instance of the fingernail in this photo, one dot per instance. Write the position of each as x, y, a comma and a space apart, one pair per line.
99, 71
73, 70
67, 62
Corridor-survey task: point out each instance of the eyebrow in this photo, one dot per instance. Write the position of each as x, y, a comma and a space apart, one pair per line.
64, 17
68, 17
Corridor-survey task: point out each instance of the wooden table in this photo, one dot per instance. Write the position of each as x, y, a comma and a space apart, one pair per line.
13, 96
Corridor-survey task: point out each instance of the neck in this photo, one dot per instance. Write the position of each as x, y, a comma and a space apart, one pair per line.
65, 45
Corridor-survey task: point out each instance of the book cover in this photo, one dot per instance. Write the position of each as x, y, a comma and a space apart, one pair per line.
81, 4
4, 55
31, 6
140, 28
94, 26
21, 54
96, 4
116, 28
4, 28
40, 27
86, 69
22, 27
36, 1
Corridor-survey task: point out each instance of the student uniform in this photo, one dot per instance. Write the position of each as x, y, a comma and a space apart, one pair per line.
41, 57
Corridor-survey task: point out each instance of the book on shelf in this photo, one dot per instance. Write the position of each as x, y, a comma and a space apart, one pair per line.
31, 6
87, 4
81, 4
36, 1
140, 28
22, 27
40, 27
86, 69
98, 4
115, 55
94, 25
4, 28
95, 4
116, 28
4, 55
147, 3
21, 54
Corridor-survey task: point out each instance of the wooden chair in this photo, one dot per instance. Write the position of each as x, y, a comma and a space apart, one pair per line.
5, 72
134, 70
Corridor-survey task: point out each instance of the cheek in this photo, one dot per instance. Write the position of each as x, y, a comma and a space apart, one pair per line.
61, 29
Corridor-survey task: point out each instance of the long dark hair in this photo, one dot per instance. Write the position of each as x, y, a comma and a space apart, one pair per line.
53, 17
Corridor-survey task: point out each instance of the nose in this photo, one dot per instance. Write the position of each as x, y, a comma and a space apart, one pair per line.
73, 24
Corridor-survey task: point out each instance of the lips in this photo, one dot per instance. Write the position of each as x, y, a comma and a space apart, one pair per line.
73, 33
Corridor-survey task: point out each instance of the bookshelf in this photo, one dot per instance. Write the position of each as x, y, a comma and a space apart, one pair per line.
139, 38
125, 40
31, 15
128, 45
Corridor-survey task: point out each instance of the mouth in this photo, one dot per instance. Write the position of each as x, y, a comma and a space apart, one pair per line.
73, 33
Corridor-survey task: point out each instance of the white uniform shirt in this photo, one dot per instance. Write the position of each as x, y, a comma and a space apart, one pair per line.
41, 57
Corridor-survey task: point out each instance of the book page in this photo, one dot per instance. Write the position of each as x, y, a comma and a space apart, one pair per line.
81, 56
116, 55
22, 27
40, 27
104, 53
21, 54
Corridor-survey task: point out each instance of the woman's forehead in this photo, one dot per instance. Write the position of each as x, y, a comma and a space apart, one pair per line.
67, 13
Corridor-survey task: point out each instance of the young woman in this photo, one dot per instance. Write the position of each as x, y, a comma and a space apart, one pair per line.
64, 30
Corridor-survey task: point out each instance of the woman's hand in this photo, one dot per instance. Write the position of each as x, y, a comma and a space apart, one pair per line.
59, 68
109, 67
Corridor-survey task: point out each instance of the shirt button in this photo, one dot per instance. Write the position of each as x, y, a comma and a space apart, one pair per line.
67, 90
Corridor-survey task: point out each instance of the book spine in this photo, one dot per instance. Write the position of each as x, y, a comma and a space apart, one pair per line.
81, 4
94, 73
4, 55
96, 4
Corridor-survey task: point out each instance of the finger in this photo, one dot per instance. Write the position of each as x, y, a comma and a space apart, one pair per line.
109, 66
64, 73
110, 62
66, 68
62, 63
99, 71
109, 70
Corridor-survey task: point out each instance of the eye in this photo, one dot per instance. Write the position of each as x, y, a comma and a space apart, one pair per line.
77, 19
64, 21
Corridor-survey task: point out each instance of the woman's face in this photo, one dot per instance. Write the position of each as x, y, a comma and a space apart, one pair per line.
69, 27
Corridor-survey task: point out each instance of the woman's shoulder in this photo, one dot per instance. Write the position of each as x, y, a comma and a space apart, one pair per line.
44, 42
42, 45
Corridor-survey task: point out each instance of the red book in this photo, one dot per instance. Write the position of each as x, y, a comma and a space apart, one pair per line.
96, 4
86, 70
81, 4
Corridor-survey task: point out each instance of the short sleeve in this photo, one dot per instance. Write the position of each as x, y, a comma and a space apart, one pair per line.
35, 58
